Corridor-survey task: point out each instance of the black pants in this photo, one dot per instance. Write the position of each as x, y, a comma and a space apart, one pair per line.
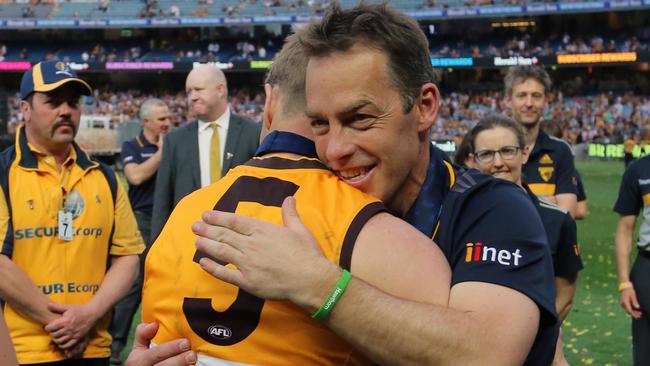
126, 308
640, 276
75, 362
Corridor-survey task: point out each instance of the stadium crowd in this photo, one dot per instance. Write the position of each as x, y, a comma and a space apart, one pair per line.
604, 117
525, 46
193, 49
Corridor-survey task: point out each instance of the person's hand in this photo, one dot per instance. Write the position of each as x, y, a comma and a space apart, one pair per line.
75, 322
629, 302
272, 261
161, 140
77, 350
172, 353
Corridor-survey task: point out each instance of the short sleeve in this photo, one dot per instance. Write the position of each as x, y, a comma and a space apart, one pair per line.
126, 236
129, 154
629, 196
568, 252
6, 227
503, 242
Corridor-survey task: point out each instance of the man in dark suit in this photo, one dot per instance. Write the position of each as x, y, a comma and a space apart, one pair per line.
201, 152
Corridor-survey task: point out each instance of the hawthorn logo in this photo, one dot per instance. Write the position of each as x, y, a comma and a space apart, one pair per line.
546, 173
477, 252
546, 159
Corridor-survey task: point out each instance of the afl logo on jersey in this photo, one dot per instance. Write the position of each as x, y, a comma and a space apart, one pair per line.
219, 332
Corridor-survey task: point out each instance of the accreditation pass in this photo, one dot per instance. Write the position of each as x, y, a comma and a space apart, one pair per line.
65, 225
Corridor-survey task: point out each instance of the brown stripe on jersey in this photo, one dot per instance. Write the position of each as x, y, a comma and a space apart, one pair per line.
345, 259
283, 163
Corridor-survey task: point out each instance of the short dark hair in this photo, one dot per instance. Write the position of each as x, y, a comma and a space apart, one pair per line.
288, 73
521, 73
382, 27
487, 123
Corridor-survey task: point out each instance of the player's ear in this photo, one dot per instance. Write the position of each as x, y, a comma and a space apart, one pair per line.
427, 104
269, 106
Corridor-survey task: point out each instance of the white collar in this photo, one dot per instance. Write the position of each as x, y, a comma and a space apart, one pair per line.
223, 121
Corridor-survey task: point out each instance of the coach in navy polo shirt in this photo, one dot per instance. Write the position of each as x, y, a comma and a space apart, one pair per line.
140, 158
373, 132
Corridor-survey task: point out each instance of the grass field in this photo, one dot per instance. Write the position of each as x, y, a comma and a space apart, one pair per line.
597, 332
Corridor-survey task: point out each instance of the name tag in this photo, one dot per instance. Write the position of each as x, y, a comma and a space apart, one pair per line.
65, 226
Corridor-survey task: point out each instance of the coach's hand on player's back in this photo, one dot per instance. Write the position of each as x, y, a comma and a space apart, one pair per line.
272, 261
172, 353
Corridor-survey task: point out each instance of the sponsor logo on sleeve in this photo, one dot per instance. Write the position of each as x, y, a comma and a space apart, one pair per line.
478, 252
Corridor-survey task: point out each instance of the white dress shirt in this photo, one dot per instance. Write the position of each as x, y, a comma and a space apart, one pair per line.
205, 139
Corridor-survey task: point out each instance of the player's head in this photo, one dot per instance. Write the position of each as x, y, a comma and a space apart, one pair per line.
207, 92
526, 93
371, 98
155, 116
50, 93
497, 146
284, 108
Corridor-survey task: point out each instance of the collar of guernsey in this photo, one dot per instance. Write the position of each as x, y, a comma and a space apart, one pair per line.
426, 209
287, 142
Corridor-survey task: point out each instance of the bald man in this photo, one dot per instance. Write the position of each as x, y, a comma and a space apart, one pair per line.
193, 156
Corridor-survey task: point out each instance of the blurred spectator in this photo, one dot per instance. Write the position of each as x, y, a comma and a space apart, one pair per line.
175, 11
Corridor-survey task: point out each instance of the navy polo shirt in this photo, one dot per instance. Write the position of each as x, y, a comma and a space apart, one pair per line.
562, 236
634, 196
491, 232
137, 151
550, 169
508, 241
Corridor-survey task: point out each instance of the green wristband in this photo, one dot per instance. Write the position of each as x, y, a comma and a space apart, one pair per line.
334, 296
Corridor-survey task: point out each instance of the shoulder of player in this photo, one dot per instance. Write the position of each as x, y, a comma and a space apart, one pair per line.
551, 207
479, 184
553, 216
558, 146
641, 164
131, 144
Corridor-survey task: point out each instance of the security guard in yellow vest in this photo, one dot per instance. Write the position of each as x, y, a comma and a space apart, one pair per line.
69, 237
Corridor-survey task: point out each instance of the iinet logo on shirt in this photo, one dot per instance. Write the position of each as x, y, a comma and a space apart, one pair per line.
477, 252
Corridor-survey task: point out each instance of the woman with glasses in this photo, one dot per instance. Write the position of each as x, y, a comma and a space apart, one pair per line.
496, 146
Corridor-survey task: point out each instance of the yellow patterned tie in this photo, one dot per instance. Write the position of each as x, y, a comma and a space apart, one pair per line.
215, 154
